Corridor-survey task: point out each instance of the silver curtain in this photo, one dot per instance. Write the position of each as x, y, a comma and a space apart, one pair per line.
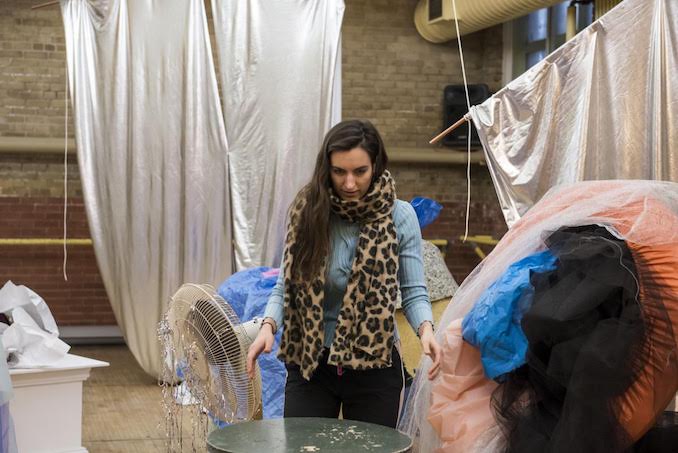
152, 154
603, 106
279, 69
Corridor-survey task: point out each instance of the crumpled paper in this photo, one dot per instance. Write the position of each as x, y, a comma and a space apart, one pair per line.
32, 340
12, 296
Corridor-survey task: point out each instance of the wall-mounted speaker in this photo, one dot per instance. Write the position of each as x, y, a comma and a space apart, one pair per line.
454, 107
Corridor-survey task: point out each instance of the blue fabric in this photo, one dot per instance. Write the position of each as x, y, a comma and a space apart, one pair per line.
493, 324
344, 238
247, 292
427, 210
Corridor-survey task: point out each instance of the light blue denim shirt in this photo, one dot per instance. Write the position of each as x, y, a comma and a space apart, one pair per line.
343, 240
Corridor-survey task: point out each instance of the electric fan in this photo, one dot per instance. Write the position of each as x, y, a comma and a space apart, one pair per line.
209, 345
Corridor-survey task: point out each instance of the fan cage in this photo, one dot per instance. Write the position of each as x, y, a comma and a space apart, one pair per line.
211, 350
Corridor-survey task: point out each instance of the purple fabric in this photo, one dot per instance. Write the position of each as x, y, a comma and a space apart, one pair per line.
7, 436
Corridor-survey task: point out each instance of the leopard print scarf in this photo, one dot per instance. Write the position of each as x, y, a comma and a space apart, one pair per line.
364, 333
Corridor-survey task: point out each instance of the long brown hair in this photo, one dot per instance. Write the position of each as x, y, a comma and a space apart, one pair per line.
312, 226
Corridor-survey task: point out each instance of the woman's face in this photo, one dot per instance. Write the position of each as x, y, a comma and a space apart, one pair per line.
351, 173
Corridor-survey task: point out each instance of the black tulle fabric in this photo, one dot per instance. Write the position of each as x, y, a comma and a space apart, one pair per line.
588, 342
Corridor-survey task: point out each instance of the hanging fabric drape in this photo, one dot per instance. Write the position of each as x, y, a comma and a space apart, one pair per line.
279, 68
603, 106
152, 154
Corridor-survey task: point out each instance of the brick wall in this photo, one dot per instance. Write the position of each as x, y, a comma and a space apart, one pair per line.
31, 206
395, 77
82, 299
390, 75
32, 70
447, 185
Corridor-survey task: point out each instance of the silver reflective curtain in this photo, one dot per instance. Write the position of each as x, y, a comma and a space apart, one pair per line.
279, 68
152, 154
603, 106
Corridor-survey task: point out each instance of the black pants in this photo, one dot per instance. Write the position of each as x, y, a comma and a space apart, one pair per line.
369, 395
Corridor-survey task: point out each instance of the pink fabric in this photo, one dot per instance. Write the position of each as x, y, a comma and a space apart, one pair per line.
460, 398
271, 272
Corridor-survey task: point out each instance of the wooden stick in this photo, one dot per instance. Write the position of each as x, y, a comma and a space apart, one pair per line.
43, 5
439, 137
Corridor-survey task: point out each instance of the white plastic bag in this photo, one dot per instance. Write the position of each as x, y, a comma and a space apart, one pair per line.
12, 296
32, 347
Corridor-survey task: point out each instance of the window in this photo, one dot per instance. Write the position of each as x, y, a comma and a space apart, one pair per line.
529, 39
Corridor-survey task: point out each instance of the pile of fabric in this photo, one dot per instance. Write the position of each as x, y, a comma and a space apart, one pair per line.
565, 338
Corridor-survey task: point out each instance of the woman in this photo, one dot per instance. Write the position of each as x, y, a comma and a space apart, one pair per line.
351, 249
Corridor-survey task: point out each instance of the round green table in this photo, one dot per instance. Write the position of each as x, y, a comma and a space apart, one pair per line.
302, 435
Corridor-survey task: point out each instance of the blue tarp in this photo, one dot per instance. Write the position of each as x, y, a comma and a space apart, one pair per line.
493, 324
427, 210
247, 292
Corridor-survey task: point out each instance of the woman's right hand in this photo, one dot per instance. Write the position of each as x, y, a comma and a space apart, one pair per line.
263, 342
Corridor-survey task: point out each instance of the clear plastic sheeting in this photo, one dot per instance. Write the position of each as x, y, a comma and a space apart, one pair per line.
468, 418
642, 213
602, 106
280, 72
152, 154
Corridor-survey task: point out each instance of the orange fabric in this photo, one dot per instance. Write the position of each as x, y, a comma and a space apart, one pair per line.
460, 399
657, 268
658, 384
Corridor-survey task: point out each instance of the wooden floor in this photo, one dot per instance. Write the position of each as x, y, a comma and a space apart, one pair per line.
122, 405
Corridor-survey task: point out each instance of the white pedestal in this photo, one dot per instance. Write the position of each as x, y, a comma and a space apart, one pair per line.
47, 405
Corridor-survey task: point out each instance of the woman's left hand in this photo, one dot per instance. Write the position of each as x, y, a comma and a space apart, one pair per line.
431, 348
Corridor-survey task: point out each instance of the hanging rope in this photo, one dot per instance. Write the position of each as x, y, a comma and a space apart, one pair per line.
468, 106
66, 176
